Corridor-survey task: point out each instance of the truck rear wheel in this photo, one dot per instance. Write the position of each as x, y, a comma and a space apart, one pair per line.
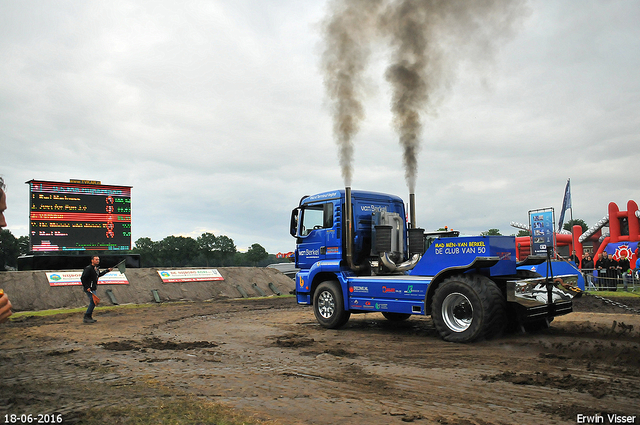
328, 305
467, 308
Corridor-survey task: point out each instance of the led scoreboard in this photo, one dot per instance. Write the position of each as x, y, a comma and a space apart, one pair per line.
79, 215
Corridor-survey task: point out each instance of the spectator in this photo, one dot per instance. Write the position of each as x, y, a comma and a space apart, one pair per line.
573, 257
624, 269
5, 304
634, 274
601, 267
587, 270
612, 271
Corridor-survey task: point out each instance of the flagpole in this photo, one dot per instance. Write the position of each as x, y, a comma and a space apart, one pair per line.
566, 204
572, 235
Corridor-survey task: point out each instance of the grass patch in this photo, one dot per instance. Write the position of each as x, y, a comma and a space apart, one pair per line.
615, 294
188, 410
263, 298
56, 311
22, 314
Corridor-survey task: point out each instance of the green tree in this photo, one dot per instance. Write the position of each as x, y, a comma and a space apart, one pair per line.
9, 250
207, 245
178, 251
523, 232
491, 232
256, 253
23, 245
575, 222
148, 251
225, 250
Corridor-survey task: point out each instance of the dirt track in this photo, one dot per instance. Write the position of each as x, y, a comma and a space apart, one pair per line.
269, 358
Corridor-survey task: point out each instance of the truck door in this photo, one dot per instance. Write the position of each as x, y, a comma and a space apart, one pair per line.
315, 231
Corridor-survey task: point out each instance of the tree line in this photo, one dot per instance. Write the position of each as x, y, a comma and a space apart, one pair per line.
11, 248
207, 250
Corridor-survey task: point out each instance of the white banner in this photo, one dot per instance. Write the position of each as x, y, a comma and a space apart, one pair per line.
73, 278
200, 275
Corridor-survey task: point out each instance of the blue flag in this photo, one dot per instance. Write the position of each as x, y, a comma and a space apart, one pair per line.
566, 203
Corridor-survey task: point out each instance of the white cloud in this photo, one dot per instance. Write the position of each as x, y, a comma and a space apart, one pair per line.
215, 113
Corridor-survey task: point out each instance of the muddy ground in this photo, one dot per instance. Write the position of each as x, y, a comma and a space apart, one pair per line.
270, 359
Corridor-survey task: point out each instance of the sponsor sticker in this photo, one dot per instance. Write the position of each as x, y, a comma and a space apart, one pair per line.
196, 275
73, 278
308, 252
359, 289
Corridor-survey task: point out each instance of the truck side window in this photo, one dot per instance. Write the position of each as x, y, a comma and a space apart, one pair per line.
317, 217
312, 218
328, 215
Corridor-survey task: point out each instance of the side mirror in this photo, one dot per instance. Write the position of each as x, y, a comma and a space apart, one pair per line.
293, 226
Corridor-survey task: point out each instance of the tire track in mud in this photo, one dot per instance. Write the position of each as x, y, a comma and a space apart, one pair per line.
279, 362
393, 385
402, 381
409, 380
340, 379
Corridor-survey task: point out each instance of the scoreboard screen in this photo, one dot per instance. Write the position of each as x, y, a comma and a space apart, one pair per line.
79, 215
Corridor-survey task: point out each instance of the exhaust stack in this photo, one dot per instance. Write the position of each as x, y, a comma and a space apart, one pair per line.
412, 211
416, 235
349, 230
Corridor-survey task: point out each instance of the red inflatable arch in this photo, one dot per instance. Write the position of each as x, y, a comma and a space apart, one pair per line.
624, 227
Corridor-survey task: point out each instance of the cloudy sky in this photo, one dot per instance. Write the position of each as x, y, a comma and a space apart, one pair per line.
215, 113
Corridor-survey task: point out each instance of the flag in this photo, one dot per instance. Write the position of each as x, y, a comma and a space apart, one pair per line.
566, 203
121, 266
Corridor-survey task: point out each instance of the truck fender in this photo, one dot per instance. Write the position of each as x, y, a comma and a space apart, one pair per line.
327, 270
320, 268
328, 276
477, 263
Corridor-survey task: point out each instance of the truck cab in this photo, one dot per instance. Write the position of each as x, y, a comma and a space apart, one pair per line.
318, 225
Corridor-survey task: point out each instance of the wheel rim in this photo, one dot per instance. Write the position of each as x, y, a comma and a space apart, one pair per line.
457, 312
326, 304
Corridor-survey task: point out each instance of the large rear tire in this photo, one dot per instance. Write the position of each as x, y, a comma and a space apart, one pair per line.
467, 308
328, 305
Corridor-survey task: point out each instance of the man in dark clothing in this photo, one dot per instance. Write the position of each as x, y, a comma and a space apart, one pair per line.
612, 272
587, 270
636, 270
601, 266
89, 280
573, 257
624, 265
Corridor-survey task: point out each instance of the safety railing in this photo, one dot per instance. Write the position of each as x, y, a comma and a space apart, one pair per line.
611, 280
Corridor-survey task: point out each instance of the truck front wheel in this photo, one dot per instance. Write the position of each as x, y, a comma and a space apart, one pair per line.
328, 305
466, 308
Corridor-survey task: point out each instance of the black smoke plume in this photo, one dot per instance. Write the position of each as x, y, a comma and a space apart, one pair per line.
428, 40
348, 32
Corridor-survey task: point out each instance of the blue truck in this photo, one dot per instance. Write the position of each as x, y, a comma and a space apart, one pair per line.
358, 252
